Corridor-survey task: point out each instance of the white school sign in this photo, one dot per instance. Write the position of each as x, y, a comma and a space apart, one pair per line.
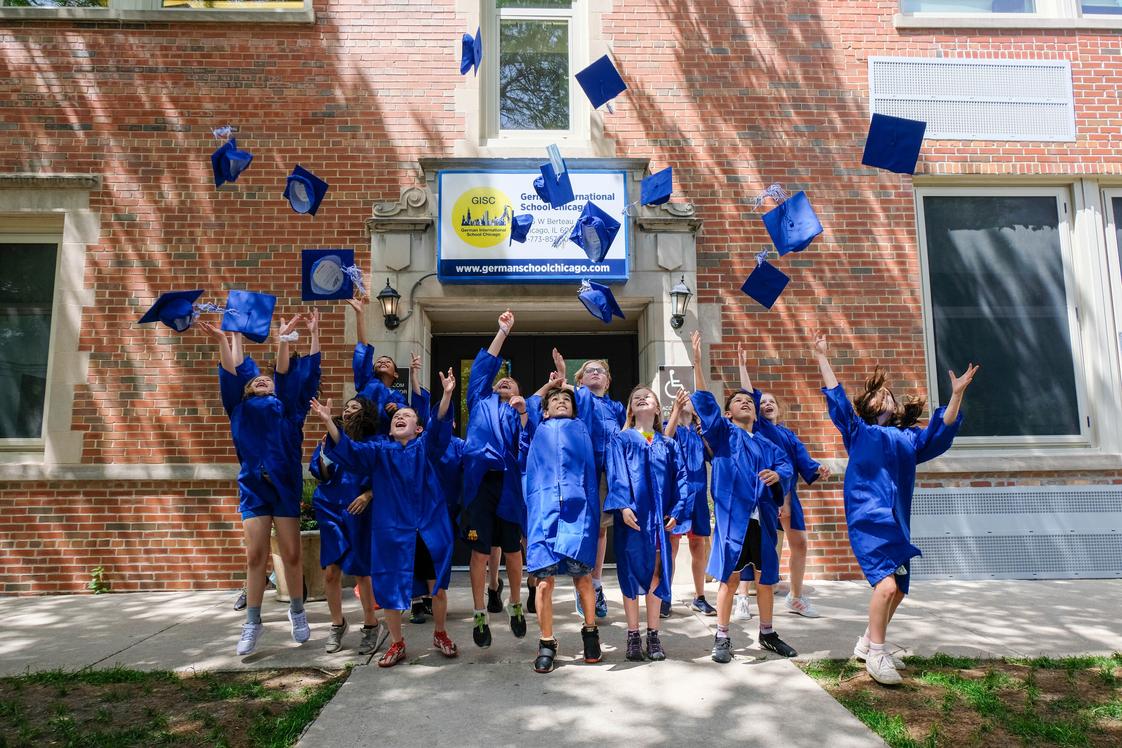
473, 237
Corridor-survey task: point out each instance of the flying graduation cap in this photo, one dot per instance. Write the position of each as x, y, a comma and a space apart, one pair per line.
228, 162
792, 224
893, 143
329, 274
471, 53
594, 232
766, 282
304, 190
601, 82
656, 189
175, 309
599, 301
553, 188
520, 227
249, 313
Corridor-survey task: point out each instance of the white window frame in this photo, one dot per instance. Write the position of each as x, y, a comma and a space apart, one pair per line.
152, 10
1114, 262
1044, 9
1075, 278
46, 236
579, 132
1049, 14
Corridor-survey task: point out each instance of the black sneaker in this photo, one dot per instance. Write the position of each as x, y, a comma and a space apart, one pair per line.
517, 620
722, 649
775, 644
240, 603
547, 651
480, 631
417, 612
427, 602
634, 646
495, 599
590, 635
664, 609
654, 648
531, 605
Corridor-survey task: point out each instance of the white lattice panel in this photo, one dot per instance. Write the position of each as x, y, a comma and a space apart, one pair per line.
977, 99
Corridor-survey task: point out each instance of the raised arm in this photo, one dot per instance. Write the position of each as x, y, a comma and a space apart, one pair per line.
323, 412
820, 351
506, 323
699, 383
958, 391
312, 321
359, 307
559, 364
286, 327
225, 348
745, 377
680, 401
447, 383
415, 373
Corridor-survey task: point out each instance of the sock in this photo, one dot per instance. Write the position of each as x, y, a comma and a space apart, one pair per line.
296, 604
369, 626
632, 633
253, 615
597, 583
765, 629
652, 631
722, 631
874, 647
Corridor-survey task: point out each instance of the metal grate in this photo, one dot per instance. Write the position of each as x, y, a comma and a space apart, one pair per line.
977, 99
1047, 532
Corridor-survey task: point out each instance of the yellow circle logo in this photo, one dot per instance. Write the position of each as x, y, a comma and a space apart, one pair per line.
482, 217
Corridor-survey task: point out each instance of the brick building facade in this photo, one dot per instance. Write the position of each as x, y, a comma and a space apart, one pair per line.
106, 118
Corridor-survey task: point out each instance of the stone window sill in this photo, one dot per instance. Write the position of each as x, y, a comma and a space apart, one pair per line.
1006, 21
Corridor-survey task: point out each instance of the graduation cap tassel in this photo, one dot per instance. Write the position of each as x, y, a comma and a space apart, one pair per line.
208, 308
355, 274
224, 132
761, 257
774, 191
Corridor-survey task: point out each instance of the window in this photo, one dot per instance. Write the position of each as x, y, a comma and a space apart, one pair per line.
1101, 7
1010, 8
999, 286
156, 5
1113, 204
26, 301
968, 6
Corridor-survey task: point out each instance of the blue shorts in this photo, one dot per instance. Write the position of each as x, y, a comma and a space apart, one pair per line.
261, 499
700, 523
565, 567
798, 522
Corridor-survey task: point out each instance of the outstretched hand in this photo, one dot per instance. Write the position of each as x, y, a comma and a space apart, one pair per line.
287, 327
682, 399
821, 347
312, 322
741, 356
518, 403
358, 304
447, 382
695, 342
414, 365
558, 360
959, 384
506, 321
323, 410
210, 330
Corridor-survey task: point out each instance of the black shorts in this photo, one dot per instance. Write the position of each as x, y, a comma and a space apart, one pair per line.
423, 567
750, 553
481, 527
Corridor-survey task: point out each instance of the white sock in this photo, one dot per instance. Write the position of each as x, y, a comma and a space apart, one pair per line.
597, 583
875, 648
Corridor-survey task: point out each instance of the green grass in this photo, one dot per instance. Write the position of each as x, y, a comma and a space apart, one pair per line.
68, 678
282, 731
890, 728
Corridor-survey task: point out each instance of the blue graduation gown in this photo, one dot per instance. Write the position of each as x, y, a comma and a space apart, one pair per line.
450, 471
651, 480
792, 445
691, 450
491, 442
370, 387
737, 459
879, 481
407, 502
604, 418
562, 493
268, 434
344, 538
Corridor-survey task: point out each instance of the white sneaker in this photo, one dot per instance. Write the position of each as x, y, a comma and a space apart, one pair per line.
301, 631
801, 606
251, 632
741, 608
880, 667
861, 652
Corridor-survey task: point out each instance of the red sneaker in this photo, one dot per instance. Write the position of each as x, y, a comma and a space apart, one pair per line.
393, 655
446, 646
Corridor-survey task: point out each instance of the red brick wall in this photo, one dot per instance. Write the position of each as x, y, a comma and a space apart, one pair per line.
734, 94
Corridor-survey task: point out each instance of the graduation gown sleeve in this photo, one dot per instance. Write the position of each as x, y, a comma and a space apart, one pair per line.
484, 369
362, 365
359, 457
936, 438
296, 388
232, 386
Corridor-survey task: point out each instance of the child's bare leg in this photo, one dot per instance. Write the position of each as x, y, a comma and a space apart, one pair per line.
493, 568
369, 604
288, 541
631, 612
514, 574
654, 603
796, 541
675, 540
478, 571
544, 598
439, 608
587, 593
765, 601
881, 607
332, 576
257, 532
393, 618
697, 564
725, 594
601, 550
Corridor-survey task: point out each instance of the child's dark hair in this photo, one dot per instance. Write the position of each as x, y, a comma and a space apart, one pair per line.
868, 404
728, 400
363, 424
564, 392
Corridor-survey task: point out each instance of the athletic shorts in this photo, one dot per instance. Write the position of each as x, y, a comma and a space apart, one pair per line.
481, 527
751, 552
423, 567
565, 567
260, 498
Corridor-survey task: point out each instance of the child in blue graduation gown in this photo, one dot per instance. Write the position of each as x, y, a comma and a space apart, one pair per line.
374, 377
412, 536
686, 431
604, 418
884, 447
750, 477
648, 491
494, 512
267, 425
340, 502
563, 514
768, 424
450, 473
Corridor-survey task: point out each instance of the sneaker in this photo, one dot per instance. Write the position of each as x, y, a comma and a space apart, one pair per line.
547, 651
701, 605
393, 655
251, 632
634, 646
775, 644
495, 598
801, 606
722, 649
335, 637
880, 667
417, 612
446, 646
517, 620
426, 603
590, 635
601, 603
240, 603
654, 648
861, 652
301, 631
664, 609
373, 637
481, 632
741, 608
531, 605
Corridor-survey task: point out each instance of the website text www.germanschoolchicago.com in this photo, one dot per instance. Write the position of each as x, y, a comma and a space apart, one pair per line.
545, 267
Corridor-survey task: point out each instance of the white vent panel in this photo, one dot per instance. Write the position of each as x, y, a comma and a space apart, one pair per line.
1019, 100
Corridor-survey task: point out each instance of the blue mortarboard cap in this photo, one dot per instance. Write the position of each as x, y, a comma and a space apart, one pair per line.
472, 53
893, 143
599, 301
601, 82
520, 227
176, 309
656, 189
594, 232
765, 283
228, 162
304, 190
324, 274
792, 224
553, 191
249, 313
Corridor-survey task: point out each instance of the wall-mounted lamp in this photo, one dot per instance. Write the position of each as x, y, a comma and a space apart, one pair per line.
680, 297
390, 300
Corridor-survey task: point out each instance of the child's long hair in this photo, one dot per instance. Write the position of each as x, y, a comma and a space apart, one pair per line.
869, 403
363, 424
247, 391
629, 422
